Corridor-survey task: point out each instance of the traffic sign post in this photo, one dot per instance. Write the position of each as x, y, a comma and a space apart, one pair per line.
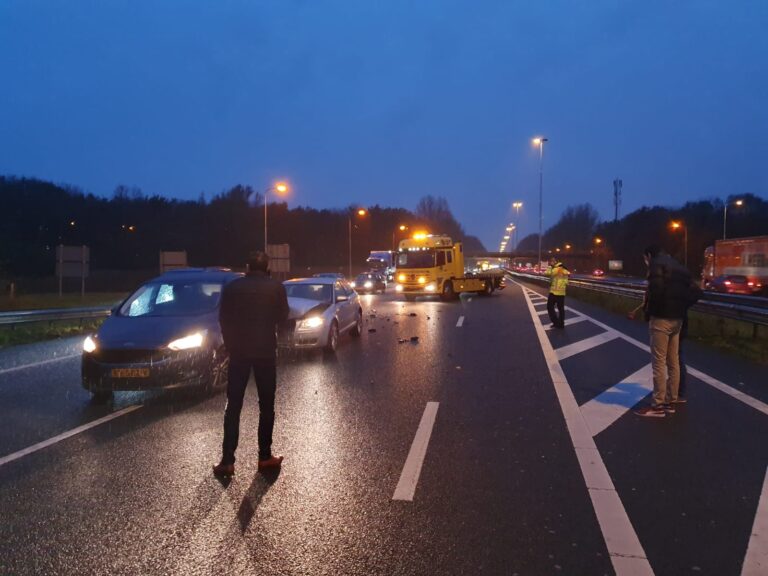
72, 262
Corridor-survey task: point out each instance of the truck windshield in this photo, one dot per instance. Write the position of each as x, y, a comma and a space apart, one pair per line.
416, 259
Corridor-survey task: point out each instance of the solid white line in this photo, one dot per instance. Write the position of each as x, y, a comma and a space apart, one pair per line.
756, 560
23, 366
65, 435
626, 552
607, 407
586, 344
569, 321
706, 378
409, 477
460, 323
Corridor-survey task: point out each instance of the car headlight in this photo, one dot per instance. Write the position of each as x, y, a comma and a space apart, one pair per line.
422, 280
401, 278
188, 342
430, 287
398, 287
352, 284
89, 345
311, 322
368, 284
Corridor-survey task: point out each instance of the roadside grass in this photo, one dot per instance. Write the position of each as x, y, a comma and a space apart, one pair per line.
733, 336
41, 301
39, 331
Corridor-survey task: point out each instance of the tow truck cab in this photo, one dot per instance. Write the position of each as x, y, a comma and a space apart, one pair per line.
434, 265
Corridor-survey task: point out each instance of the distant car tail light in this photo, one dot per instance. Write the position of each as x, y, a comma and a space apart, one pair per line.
727, 282
750, 283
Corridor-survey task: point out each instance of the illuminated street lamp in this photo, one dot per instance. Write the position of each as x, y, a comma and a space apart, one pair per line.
567, 246
725, 212
279, 188
676, 225
540, 143
401, 228
359, 212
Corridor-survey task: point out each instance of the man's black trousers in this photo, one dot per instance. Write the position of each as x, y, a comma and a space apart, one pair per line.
559, 318
265, 375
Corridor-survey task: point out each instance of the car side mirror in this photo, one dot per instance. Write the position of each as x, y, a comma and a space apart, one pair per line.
342, 298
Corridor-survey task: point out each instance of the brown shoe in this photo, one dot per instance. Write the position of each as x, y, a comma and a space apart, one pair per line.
270, 463
224, 470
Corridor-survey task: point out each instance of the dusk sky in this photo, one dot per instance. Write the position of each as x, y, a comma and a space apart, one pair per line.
381, 102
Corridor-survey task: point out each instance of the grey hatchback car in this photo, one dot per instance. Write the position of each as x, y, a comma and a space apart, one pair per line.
166, 334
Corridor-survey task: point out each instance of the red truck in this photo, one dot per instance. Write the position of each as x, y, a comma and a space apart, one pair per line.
738, 265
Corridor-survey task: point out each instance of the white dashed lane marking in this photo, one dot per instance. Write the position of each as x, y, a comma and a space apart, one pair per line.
409, 478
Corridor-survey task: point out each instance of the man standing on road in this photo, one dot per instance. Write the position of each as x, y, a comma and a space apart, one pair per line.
666, 303
252, 307
559, 280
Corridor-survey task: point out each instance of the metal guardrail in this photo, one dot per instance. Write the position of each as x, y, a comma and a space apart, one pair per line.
735, 307
52, 315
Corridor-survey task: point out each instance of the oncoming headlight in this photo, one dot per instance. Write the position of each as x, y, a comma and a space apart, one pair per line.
430, 287
422, 280
89, 345
368, 284
398, 287
401, 278
188, 342
352, 284
311, 322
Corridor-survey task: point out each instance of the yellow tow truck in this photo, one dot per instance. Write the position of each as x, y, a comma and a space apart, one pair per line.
433, 265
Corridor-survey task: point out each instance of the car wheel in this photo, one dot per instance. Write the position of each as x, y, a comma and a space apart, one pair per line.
448, 293
488, 289
333, 338
217, 376
357, 329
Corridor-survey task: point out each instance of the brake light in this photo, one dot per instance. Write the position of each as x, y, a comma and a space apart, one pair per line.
727, 282
750, 283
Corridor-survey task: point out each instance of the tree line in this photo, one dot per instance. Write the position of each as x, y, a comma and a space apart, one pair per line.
624, 239
128, 230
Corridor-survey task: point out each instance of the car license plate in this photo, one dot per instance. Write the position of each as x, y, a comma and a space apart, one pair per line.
130, 372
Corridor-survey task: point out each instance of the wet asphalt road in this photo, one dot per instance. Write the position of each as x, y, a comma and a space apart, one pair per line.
500, 490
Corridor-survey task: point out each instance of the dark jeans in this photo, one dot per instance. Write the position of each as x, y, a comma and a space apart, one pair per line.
265, 375
559, 318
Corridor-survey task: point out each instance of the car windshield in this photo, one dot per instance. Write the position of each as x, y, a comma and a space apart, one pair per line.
416, 259
178, 298
319, 292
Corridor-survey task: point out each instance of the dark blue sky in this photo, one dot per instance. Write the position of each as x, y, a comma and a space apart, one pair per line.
364, 101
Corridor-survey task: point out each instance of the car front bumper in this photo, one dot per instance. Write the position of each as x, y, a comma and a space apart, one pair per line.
108, 370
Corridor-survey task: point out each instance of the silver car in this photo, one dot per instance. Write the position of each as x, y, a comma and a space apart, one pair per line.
322, 309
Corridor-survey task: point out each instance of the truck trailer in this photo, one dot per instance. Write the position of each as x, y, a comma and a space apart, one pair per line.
737, 257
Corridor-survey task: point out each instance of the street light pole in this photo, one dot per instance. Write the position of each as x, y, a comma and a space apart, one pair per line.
516, 206
280, 187
540, 143
725, 212
360, 212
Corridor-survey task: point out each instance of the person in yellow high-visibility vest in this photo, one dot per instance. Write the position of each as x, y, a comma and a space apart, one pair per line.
558, 281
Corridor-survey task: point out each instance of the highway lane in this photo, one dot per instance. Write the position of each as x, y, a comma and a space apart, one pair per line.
500, 490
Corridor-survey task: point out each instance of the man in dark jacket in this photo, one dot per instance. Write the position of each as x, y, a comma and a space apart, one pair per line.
667, 300
252, 307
